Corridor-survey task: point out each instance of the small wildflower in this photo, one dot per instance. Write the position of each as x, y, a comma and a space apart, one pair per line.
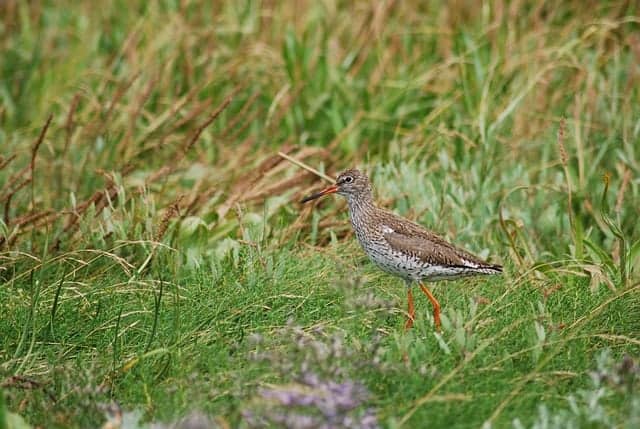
314, 402
320, 393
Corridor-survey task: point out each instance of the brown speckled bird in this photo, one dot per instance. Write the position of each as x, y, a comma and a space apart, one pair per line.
401, 247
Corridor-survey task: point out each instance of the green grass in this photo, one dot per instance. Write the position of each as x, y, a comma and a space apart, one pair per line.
153, 256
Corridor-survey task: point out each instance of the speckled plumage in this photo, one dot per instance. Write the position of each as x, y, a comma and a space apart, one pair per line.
402, 247
399, 246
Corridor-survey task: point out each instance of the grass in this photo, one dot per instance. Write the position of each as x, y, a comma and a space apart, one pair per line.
155, 263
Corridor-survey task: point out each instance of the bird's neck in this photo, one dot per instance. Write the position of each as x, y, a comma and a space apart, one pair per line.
361, 206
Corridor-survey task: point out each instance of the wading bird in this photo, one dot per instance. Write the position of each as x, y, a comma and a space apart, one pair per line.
401, 247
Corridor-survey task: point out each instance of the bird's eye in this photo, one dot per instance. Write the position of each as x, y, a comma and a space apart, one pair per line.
348, 179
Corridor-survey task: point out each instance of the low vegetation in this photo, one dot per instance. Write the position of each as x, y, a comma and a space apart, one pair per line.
156, 267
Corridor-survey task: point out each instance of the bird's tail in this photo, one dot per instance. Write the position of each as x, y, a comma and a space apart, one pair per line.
490, 269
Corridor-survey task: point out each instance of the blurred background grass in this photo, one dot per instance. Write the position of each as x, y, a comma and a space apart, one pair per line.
149, 223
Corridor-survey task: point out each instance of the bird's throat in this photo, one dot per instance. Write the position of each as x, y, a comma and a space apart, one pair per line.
359, 208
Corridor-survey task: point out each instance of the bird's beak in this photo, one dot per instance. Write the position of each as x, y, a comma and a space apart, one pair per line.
330, 190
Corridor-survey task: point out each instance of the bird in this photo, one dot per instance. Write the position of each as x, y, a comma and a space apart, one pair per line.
401, 247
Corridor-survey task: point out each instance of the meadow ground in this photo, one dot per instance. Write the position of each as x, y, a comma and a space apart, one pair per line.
155, 263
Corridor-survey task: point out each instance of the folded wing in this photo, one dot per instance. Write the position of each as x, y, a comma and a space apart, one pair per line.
433, 250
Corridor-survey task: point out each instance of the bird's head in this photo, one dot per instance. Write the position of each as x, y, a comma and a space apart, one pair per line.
350, 184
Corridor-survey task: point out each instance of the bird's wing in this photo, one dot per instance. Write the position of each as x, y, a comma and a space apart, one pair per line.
414, 239
432, 250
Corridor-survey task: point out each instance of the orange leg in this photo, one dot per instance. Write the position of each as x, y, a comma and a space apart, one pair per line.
411, 311
435, 303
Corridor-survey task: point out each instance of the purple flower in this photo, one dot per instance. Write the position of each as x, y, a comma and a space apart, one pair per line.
316, 403
320, 394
